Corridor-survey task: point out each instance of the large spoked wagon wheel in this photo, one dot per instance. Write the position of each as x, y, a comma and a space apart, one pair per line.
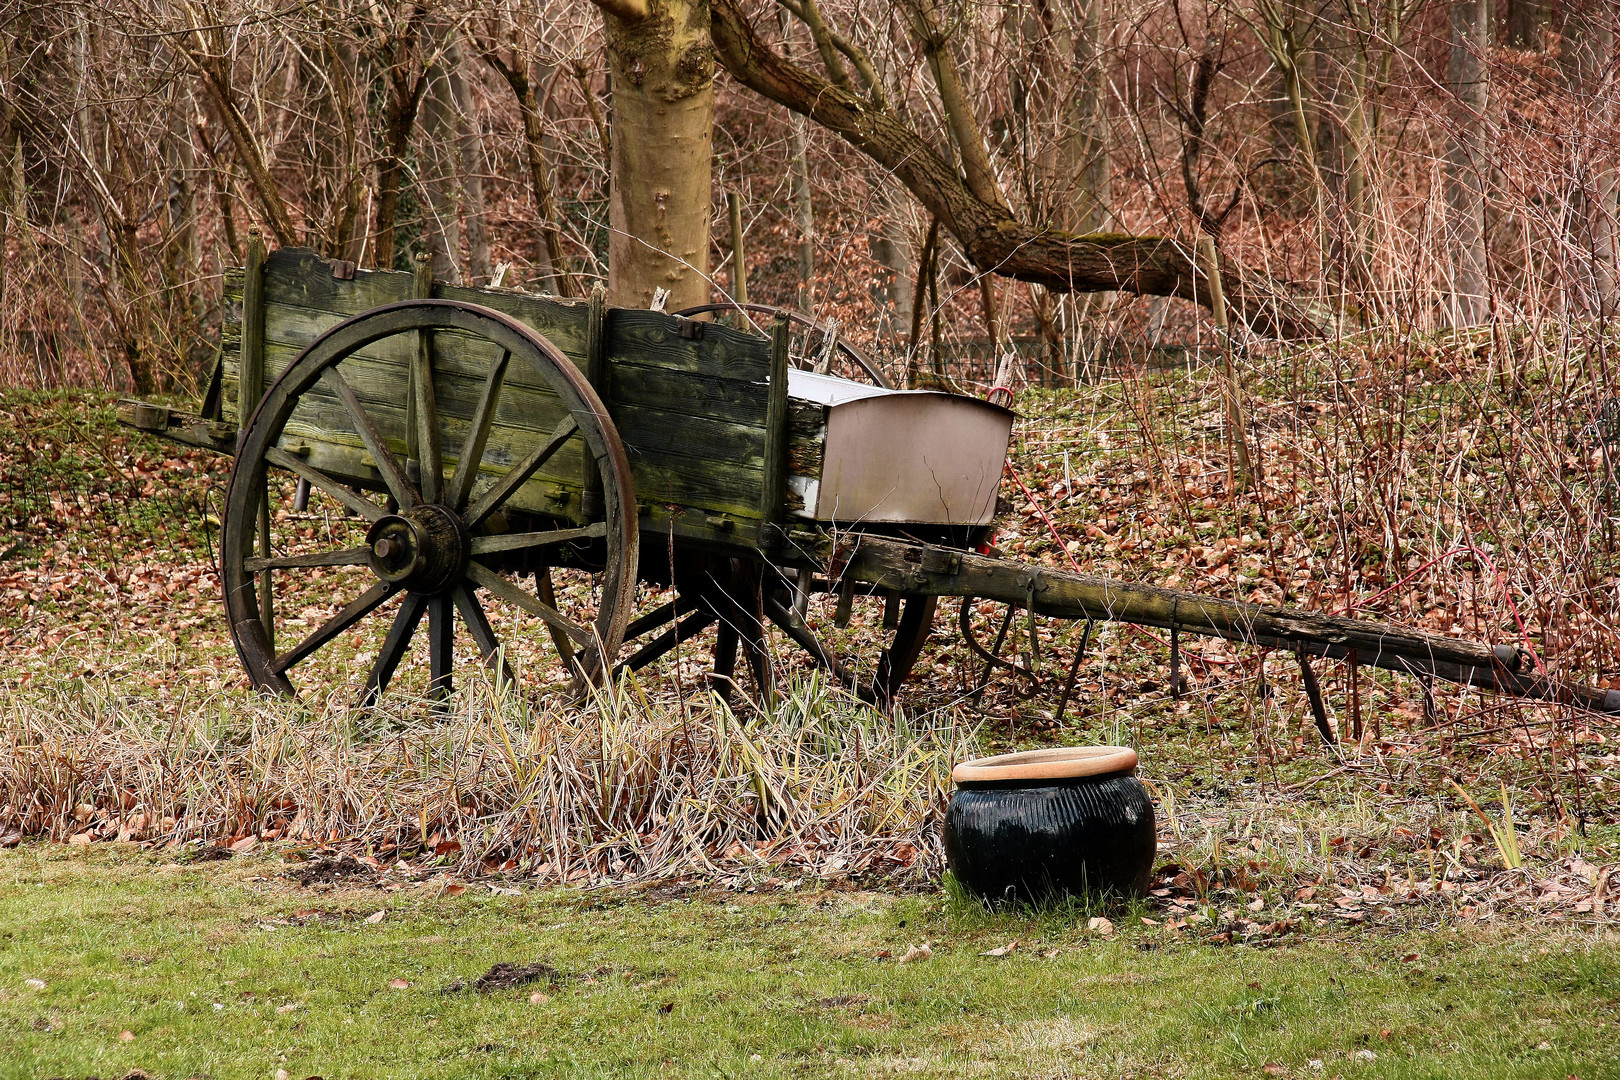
422, 510
812, 346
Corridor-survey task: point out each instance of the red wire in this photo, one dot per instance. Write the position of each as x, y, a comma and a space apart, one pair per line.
1507, 594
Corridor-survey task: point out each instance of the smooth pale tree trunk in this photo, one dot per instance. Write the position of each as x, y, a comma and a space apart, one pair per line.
894, 247
443, 226
662, 71
183, 251
470, 150
1079, 157
804, 210
1467, 160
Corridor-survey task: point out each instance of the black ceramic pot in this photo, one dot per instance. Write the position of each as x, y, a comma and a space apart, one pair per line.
1041, 824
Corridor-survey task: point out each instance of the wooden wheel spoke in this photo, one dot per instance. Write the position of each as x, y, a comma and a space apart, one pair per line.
547, 592
387, 464
489, 580
472, 613
484, 545
472, 449
393, 649
359, 608
429, 456
441, 645
652, 620
355, 556
364, 507
802, 636
519, 474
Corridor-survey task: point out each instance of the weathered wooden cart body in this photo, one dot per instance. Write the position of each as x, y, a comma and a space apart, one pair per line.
723, 436
483, 436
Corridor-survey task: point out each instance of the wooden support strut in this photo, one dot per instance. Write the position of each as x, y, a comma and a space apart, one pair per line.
774, 482
596, 373
249, 390
919, 570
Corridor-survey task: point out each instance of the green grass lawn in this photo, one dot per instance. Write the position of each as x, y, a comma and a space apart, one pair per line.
229, 969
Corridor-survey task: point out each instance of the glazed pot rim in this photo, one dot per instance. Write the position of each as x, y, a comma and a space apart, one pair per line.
1056, 763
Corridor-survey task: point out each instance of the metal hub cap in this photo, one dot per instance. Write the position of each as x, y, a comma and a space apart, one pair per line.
424, 549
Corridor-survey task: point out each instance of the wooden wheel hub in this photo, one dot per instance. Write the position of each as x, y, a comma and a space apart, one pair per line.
424, 549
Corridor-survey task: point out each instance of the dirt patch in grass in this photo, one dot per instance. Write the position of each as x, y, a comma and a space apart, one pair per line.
506, 976
342, 867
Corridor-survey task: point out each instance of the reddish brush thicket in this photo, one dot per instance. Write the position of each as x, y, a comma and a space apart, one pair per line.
1405, 163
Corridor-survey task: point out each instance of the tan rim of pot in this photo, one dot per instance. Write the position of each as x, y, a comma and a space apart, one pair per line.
1059, 763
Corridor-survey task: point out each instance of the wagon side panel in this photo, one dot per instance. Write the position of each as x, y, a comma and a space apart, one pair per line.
692, 414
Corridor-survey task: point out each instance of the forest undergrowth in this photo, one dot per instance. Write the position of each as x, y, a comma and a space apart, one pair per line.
1461, 485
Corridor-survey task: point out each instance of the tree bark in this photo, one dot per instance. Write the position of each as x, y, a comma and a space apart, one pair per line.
210, 59
804, 208
894, 246
1079, 157
662, 70
1589, 47
989, 234
345, 231
516, 74
1467, 159
407, 82
470, 148
443, 218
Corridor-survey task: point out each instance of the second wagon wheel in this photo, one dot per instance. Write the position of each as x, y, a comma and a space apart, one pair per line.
817, 624
430, 506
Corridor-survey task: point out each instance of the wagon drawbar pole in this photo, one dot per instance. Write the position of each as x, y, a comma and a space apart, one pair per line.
926, 570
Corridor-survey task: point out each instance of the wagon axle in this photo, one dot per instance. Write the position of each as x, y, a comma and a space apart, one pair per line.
424, 549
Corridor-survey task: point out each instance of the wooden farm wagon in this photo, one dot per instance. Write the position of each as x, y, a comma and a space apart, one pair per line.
419, 456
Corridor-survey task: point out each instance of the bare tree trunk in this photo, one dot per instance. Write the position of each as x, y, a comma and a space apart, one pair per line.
1589, 44
439, 154
1526, 22
663, 118
407, 82
894, 246
13, 187
1285, 29
516, 73
182, 249
1080, 155
804, 211
1467, 160
344, 235
470, 147
206, 50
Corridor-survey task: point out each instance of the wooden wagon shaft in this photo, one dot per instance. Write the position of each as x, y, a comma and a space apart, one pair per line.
924, 570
